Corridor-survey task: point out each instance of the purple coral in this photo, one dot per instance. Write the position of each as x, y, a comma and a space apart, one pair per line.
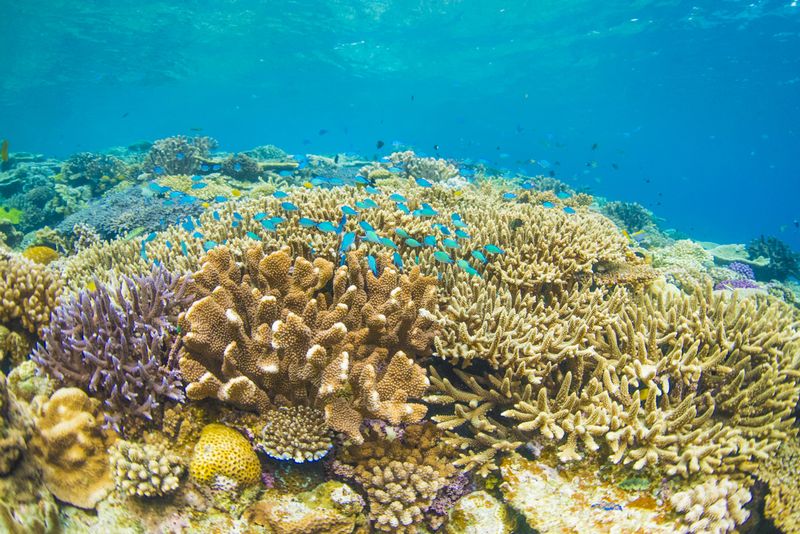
457, 487
742, 269
114, 343
737, 284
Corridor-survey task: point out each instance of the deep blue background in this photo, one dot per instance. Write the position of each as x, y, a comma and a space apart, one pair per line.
698, 103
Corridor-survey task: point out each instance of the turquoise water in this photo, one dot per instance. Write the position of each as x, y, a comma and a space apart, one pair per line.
692, 106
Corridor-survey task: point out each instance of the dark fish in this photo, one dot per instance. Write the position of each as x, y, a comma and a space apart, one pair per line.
552, 173
125, 114
436, 147
196, 129
379, 144
615, 166
306, 141
797, 224
412, 98
322, 131
336, 159
594, 146
517, 223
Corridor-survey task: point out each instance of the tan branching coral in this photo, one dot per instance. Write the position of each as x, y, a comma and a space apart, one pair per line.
297, 433
145, 470
28, 292
714, 507
781, 471
70, 446
268, 331
686, 384
431, 169
401, 477
12, 442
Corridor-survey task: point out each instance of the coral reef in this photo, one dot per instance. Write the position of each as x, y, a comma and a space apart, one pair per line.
297, 433
12, 443
715, 506
114, 342
269, 331
631, 216
223, 459
781, 471
70, 446
478, 513
28, 293
401, 477
330, 508
431, 169
14, 346
144, 470
41, 254
98, 171
266, 153
783, 263
178, 154
241, 167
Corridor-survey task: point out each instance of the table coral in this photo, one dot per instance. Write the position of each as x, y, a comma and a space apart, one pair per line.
70, 446
28, 292
145, 470
114, 342
297, 433
271, 330
224, 459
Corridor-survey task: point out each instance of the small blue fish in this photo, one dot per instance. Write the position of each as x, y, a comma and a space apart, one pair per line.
372, 190
442, 256
157, 188
208, 245
455, 217
180, 156
563, 195
288, 206
402, 233
347, 210
260, 215
372, 237
397, 260
395, 169
187, 200
424, 213
215, 214
478, 255
305, 222
449, 243
196, 178
176, 194
527, 186
285, 174
197, 235
280, 194
184, 248
348, 240
169, 203
367, 227
277, 220
237, 215
397, 197
429, 240
548, 204
413, 243
204, 167
237, 167
509, 196
187, 225
342, 223
373, 265
158, 169
302, 163
367, 203
361, 180
235, 224
268, 225
157, 262
150, 237
569, 210
469, 269
168, 245
253, 235
442, 228
493, 249
327, 226
422, 182
461, 234
402, 207
143, 252
216, 167
220, 198
386, 242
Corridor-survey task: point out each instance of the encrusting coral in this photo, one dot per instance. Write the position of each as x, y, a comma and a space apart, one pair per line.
70, 445
715, 507
401, 477
297, 433
223, 459
270, 331
28, 292
114, 342
145, 470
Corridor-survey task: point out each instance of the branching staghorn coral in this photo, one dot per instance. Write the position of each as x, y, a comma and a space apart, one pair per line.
685, 384
28, 292
270, 332
114, 342
716, 506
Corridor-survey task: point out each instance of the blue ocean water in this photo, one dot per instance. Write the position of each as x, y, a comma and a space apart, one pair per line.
690, 108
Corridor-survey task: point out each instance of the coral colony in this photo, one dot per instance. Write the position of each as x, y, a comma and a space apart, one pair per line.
199, 341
